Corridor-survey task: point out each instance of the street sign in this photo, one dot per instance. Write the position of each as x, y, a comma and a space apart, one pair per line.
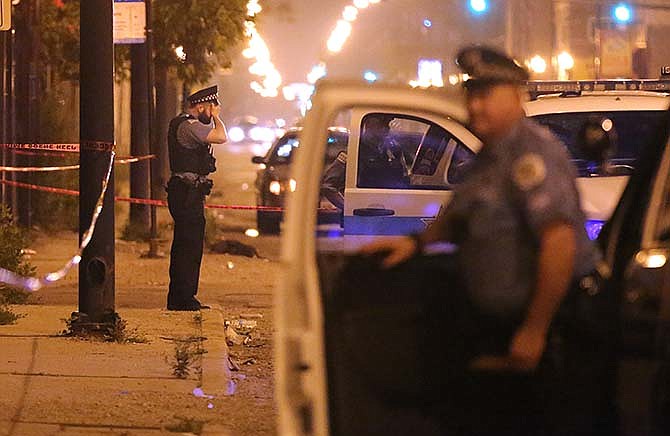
129, 21
5, 14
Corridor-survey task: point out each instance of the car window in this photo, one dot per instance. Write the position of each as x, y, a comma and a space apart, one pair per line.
337, 142
631, 128
282, 151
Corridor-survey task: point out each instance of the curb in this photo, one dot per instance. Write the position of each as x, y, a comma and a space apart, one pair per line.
216, 377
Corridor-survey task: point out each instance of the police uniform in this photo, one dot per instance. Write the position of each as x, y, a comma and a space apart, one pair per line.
191, 160
333, 181
514, 189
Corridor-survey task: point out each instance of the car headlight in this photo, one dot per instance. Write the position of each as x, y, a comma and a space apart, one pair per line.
291, 185
236, 134
275, 187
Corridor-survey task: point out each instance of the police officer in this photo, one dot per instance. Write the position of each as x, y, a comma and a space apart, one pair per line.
333, 180
190, 136
516, 219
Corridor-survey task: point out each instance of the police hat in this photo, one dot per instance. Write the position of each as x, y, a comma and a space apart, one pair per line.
207, 95
487, 66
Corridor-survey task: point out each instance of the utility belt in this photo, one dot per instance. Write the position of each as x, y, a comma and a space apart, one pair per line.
197, 181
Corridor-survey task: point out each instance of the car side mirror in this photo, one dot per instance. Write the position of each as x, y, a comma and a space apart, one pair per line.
258, 159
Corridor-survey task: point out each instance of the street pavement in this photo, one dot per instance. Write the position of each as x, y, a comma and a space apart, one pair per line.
53, 384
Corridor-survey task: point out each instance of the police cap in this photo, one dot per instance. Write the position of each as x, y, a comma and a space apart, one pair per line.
486, 66
207, 95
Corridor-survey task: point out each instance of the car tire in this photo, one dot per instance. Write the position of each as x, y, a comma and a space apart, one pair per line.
268, 222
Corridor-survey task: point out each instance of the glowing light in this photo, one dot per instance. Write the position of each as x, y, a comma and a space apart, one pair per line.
350, 13
607, 124
280, 122
565, 61
236, 134
651, 258
181, 54
478, 6
339, 36
318, 71
252, 233
453, 79
274, 187
430, 74
361, 4
370, 76
427, 23
537, 64
269, 78
292, 184
622, 13
253, 8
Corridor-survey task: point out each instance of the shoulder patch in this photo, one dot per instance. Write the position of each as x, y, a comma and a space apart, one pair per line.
191, 121
529, 171
342, 157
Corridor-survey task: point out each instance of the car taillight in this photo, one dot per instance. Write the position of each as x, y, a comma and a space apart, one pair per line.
275, 187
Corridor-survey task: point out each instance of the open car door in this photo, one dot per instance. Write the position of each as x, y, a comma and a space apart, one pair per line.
311, 376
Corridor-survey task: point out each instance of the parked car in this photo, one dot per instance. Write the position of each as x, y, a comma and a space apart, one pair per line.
332, 373
273, 179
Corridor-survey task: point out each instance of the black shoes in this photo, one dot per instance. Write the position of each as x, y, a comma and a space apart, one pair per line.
192, 305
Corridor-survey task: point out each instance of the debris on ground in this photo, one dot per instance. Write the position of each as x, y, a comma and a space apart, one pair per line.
232, 364
234, 247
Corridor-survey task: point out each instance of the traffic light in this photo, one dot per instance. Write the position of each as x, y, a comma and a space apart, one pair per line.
478, 6
622, 13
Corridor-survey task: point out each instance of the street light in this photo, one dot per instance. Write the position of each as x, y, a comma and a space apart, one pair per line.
537, 64
370, 76
478, 6
622, 13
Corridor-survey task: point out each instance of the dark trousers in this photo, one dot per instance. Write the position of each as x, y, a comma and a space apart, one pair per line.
186, 204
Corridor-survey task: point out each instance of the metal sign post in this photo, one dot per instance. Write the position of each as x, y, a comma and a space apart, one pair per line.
5, 14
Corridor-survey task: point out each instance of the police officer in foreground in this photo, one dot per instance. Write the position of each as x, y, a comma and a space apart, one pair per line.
190, 136
516, 219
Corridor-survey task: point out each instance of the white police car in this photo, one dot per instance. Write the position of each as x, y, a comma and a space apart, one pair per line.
436, 149
308, 396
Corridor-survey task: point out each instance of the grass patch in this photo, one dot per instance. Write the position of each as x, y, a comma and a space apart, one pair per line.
112, 328
186, 425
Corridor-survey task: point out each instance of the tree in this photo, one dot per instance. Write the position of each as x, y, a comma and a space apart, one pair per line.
206, 30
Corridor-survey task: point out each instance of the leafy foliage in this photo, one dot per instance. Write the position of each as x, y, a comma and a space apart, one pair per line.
205, 29
12, 242
59, 30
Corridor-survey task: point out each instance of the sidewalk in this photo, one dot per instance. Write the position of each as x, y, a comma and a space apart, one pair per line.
53, 385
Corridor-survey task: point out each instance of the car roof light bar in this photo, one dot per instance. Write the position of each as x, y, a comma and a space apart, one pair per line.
571, 88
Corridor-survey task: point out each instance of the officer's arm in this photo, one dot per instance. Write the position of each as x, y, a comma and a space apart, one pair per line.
554, 273
218, 134
446, 227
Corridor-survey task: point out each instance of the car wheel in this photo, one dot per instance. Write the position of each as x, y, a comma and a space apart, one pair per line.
268, 222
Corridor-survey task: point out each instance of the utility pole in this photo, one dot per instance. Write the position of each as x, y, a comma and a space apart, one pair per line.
27, 87
139, 136
155, 163
96, 270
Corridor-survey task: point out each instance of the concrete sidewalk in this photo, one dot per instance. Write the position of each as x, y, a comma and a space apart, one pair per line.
52, 384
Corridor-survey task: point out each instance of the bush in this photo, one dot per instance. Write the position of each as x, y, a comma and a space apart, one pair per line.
12, 242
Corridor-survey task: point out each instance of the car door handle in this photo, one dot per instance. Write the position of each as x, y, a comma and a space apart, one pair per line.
373, 211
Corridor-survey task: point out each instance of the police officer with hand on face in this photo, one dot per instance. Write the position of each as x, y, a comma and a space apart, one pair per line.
516, 219
190, 136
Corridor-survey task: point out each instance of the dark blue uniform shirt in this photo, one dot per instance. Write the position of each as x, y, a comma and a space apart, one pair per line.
514, 189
